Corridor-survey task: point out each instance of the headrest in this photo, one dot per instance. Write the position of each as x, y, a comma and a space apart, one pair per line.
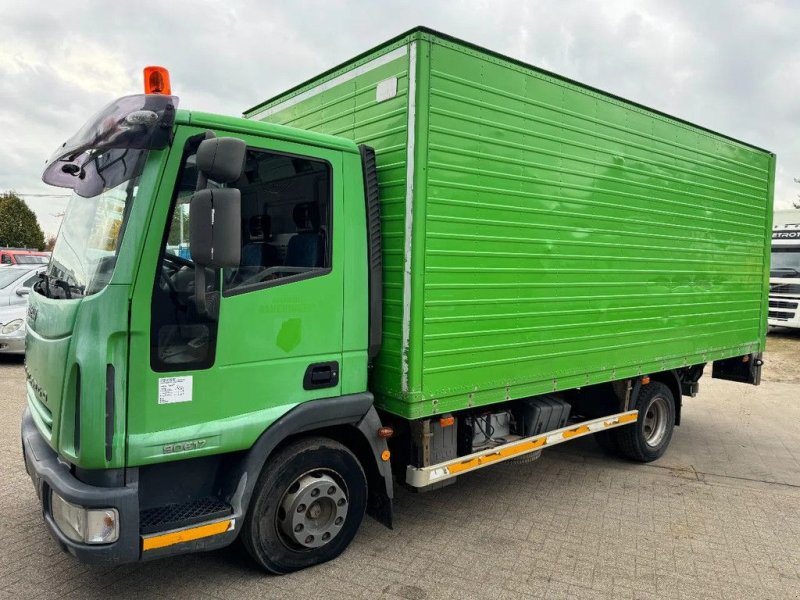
258, 226
254, 226
306, 216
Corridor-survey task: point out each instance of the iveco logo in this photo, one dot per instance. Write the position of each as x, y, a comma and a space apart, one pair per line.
41, 395
32, 312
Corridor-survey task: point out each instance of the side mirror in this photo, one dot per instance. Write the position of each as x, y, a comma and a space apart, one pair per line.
215, 215
23, 291
215, 237
221, 159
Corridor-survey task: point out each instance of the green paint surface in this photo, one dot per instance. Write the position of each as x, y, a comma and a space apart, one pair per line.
560, 236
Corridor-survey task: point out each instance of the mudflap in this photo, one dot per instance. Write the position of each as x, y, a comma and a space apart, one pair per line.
742, 369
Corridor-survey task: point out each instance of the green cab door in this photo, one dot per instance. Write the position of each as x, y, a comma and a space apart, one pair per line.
271, 337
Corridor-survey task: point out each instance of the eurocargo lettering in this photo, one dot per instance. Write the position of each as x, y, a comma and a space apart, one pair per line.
426, 261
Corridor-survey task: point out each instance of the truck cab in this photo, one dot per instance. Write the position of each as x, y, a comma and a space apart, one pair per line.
153, 373
784, 276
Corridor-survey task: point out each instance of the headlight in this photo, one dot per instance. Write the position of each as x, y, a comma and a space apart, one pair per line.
87, 525
12, 326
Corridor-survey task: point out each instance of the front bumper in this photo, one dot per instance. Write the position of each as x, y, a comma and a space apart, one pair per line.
13, 343
49, 473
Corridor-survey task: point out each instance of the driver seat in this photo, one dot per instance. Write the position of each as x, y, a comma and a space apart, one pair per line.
305, 248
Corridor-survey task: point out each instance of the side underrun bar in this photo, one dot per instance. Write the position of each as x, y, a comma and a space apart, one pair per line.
420, 477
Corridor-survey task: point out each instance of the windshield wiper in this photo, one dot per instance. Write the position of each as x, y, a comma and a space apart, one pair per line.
47, 283
43, 285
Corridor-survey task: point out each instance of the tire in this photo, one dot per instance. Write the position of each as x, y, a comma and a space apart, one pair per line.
306, 507
648, 438
607, 442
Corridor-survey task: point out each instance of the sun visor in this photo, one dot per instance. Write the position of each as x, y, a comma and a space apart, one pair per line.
108, 141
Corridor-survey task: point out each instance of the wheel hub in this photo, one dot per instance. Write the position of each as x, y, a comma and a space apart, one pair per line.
655, 421
313, 510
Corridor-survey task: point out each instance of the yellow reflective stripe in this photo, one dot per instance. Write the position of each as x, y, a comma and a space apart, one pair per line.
524, 447
162, 540
626, 418
501, 453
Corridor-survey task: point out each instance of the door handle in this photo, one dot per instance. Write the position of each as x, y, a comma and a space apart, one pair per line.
321, 375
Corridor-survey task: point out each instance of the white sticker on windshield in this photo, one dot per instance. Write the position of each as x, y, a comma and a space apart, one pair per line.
174, 389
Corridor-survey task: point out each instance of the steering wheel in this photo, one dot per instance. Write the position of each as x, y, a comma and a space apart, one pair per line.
166, 282
165, 277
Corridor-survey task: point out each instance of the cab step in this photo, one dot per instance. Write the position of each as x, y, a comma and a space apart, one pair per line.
177, 516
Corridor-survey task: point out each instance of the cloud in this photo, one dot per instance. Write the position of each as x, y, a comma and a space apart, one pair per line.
735, 70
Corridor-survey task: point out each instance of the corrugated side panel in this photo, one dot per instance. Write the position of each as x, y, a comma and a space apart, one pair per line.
572, 238
343, 103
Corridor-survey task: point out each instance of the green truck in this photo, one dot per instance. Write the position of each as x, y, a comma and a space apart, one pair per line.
425, 261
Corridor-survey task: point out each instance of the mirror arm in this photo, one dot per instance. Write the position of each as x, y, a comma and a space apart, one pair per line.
202, 179
200, 289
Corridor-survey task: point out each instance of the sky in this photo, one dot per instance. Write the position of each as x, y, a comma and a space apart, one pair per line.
730, 66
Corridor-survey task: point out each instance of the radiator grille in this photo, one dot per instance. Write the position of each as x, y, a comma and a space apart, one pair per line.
784, 288
780, 315
782, 304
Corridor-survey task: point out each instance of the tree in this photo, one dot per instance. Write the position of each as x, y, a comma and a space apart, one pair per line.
181, 212
19, 227
50, 243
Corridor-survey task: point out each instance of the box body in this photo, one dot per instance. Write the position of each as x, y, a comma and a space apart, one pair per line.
540, 235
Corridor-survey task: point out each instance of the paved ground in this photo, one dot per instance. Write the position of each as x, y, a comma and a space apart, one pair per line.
717, 517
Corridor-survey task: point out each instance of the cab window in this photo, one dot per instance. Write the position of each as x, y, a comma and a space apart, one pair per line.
181, 336
286, 237
286, 221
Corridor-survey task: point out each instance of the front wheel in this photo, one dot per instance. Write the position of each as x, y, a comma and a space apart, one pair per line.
647, 439
307, 506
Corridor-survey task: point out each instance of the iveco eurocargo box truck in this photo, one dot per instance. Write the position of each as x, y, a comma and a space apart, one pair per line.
425, 261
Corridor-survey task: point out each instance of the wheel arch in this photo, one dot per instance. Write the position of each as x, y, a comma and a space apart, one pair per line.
672, 380
351, 420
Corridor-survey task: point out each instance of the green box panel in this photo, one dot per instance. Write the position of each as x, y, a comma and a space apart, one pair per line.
573, 238
560, 237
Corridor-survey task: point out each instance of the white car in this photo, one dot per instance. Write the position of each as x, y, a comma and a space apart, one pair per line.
12, 329
16, 282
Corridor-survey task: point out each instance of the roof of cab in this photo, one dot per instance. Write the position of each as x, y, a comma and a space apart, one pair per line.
252, 127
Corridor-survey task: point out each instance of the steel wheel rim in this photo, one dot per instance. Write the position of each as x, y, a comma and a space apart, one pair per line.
654, 424
313, 510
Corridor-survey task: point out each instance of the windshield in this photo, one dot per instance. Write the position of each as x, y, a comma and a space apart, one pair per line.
31, 259
7, 276
89, 239
786, 261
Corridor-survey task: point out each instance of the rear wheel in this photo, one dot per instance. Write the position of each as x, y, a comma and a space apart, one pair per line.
647, 439
306, 507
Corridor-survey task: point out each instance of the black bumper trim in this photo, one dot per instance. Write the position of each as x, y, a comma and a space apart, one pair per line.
48, 473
